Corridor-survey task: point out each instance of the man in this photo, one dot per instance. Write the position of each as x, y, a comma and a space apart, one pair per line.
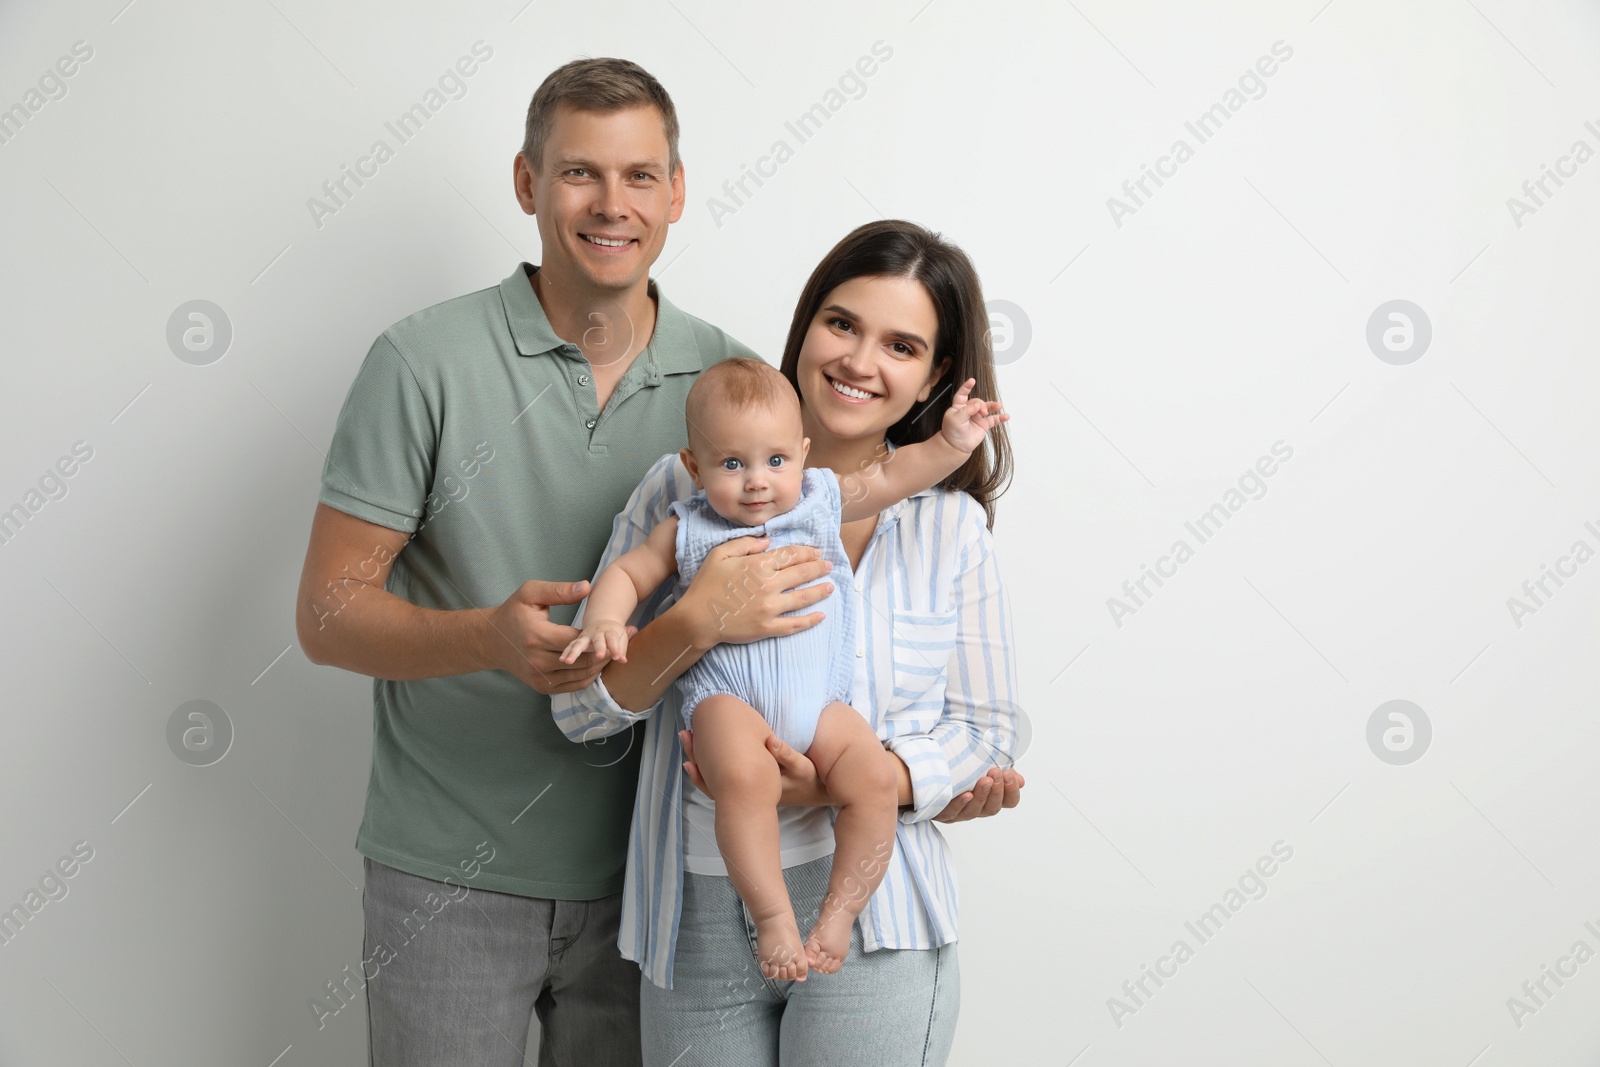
480, 457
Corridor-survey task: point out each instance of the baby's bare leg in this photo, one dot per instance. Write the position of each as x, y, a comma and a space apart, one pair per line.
860, 777
730, 746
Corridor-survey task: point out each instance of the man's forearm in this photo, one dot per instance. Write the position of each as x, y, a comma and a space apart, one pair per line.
382, 635
657, 655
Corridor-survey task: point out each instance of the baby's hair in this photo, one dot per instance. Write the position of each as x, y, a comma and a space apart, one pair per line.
742, 383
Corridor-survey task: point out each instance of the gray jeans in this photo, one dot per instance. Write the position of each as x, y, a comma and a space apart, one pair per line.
889, 1008
460, 979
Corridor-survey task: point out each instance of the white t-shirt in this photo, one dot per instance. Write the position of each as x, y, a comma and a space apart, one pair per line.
804, 834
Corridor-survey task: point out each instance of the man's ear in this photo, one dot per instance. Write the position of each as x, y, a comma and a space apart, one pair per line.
933, 379
525, 182
678, 193
689, 463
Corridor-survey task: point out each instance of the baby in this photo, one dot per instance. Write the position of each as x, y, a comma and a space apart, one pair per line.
747, 454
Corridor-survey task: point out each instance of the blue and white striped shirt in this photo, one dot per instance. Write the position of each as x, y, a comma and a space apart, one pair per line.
936, 677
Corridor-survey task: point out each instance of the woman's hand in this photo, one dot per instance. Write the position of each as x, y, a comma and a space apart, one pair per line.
995, 790
741, 592
802, 786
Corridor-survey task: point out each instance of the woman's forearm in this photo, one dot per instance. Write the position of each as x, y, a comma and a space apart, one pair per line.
657, 655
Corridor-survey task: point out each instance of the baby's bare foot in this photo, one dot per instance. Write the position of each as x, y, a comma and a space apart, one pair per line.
828, 943
779, 950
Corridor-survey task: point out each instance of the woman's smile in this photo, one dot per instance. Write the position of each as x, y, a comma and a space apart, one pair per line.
849, 393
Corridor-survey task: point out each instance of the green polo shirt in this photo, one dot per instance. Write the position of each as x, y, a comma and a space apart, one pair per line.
473, 427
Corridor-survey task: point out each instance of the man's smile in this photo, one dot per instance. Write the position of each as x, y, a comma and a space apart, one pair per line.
601, 241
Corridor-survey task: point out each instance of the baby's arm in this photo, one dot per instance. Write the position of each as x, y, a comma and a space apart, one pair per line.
618, 590
912, 468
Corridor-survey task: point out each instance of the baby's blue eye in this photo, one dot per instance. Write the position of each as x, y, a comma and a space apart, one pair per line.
775, 461
730, 464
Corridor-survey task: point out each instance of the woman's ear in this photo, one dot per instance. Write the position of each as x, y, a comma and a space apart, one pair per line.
933, 379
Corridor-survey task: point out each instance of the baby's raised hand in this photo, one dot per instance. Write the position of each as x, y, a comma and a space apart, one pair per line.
969, 418
603, 638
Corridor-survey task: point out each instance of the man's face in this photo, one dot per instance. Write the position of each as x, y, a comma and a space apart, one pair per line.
603, 196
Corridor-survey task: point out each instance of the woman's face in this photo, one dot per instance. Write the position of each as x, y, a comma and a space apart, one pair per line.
867, 356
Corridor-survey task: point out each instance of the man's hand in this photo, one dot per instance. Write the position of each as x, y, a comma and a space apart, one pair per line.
740, 592
802, 786
995, 790
522, 640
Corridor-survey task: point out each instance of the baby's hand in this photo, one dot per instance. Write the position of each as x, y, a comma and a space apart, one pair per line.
603, 638
968, 420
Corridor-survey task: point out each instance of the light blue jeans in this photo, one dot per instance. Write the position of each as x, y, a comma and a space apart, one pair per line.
889, 1008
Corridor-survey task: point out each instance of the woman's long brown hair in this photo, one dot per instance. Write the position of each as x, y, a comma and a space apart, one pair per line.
895, 249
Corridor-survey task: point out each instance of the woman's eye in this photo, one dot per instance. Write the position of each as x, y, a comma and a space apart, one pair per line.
843, 324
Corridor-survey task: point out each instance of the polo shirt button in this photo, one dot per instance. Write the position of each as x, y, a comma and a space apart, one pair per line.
590, 424
583, 379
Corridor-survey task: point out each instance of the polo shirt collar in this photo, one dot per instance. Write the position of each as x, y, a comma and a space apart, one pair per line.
672, 346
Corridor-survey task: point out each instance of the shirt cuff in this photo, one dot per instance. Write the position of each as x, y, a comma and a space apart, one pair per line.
387, 517
592, 713
930, 776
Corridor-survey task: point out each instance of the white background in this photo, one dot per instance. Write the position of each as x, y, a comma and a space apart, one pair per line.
1167, 354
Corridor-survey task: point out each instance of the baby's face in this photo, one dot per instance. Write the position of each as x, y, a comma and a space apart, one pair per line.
751, 463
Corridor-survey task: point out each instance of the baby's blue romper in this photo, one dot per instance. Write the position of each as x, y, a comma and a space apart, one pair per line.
789, 679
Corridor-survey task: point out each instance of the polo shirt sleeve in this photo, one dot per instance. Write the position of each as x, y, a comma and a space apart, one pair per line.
380, 464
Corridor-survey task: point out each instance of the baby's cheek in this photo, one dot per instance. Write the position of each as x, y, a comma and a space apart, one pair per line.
791, 491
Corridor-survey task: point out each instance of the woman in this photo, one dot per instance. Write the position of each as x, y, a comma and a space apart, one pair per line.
888, 321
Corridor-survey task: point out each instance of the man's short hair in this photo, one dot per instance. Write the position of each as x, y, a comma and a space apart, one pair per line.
739, 384
597, 85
